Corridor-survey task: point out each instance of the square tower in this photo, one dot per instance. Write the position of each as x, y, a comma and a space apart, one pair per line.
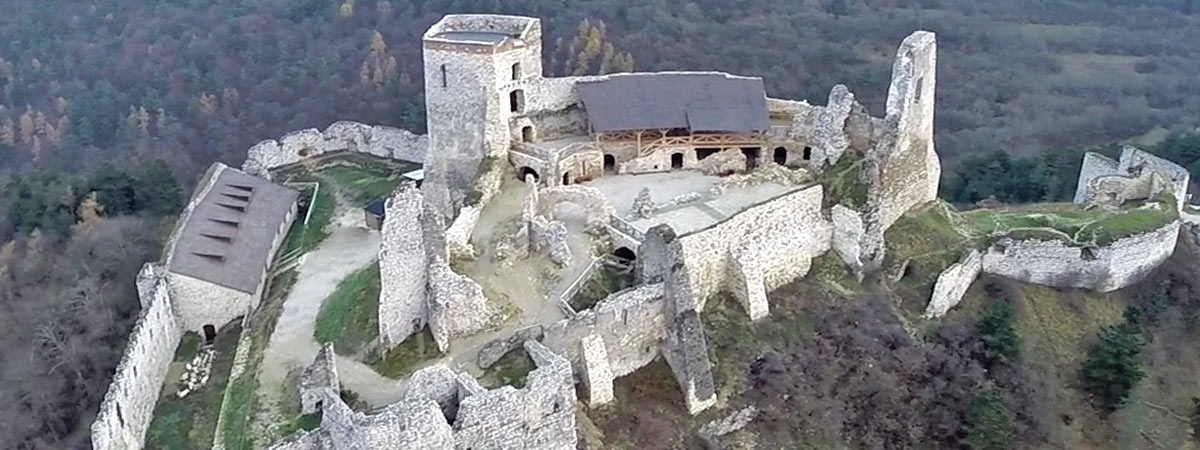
476, 70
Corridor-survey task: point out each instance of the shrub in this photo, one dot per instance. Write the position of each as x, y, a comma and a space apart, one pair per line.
1113, 368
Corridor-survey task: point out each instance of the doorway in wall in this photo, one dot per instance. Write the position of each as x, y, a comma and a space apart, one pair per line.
780, 155
610, 165
566, 178
752, 155
677, 160
527, 133
210, 334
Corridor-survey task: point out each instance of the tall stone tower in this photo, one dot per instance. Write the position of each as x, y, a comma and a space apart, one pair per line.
476, 70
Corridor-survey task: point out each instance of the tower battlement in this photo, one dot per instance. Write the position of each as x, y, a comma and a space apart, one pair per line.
484, 30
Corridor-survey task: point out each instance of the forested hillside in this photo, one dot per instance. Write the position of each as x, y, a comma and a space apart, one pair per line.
159, 89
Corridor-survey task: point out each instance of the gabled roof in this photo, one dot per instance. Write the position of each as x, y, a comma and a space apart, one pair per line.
699, 101
228, 236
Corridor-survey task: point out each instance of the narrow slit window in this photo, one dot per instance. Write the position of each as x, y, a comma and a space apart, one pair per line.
444, 84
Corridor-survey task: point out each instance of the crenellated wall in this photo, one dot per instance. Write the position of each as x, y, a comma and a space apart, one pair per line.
128, 405
342, 136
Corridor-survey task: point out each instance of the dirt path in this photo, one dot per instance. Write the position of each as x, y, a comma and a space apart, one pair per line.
292, 345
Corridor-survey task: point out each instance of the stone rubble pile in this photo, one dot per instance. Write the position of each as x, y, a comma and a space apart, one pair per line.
196, 373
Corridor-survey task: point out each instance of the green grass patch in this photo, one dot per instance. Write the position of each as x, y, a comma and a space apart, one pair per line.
188, 346
404, 359
240, 401
844, 183
303, 422
189, 422
349, 318
305, 237
1073, 224
365, 183
511, 370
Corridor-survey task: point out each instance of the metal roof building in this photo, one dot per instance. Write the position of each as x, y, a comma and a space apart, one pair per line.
228, 237
704, 102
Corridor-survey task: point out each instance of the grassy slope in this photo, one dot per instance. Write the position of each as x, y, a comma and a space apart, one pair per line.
350, 316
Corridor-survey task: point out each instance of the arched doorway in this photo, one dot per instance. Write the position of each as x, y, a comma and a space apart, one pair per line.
525, 172
807, 153
210, 334
516, 71
625, 253
566, 178
752, 155
677, 160
610, 165
527, 133
780, 155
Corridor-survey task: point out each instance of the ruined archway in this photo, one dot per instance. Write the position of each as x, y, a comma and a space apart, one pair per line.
525, 172
566, 178
780, 156
752, 155
610, 165
677, 160
527, 133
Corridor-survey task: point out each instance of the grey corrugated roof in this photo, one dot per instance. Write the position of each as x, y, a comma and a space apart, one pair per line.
696, 101
228, 235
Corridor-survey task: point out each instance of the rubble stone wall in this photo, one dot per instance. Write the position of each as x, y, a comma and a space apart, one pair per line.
381, 141
128, 405
630, 323
782, 234
953, 283
1054, 263
199, 303
402, 268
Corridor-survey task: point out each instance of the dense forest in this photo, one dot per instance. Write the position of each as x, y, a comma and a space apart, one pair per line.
160, 89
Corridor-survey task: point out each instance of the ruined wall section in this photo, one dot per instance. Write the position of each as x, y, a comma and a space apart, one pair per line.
456, 304
953, 283
630, 323
1135, 161
1094, 166
402, 268
908, 169
599, 210
774, 240
540, 416
342, 136
1054, 263
409, 423
128, 405
848, 233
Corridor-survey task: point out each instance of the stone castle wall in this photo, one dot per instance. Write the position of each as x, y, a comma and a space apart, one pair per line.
953, 283
402, 268
758, 249
1054, 263
381, 141
630, 323
128, 405
201, 303
1137, 175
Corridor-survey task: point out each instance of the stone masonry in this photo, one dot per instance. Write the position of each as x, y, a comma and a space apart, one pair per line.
1137, 175
343, 136
319, 380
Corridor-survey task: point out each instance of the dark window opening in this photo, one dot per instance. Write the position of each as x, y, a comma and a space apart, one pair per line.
210, 334
780, 155
920, 85
702, 153
526, 172
807, 153
677, 160
120, 417
527, 133
625, 253
1087, 253
444, 83
516, 101
999, 248
566, 178
610, 164
516, 71
752, 154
